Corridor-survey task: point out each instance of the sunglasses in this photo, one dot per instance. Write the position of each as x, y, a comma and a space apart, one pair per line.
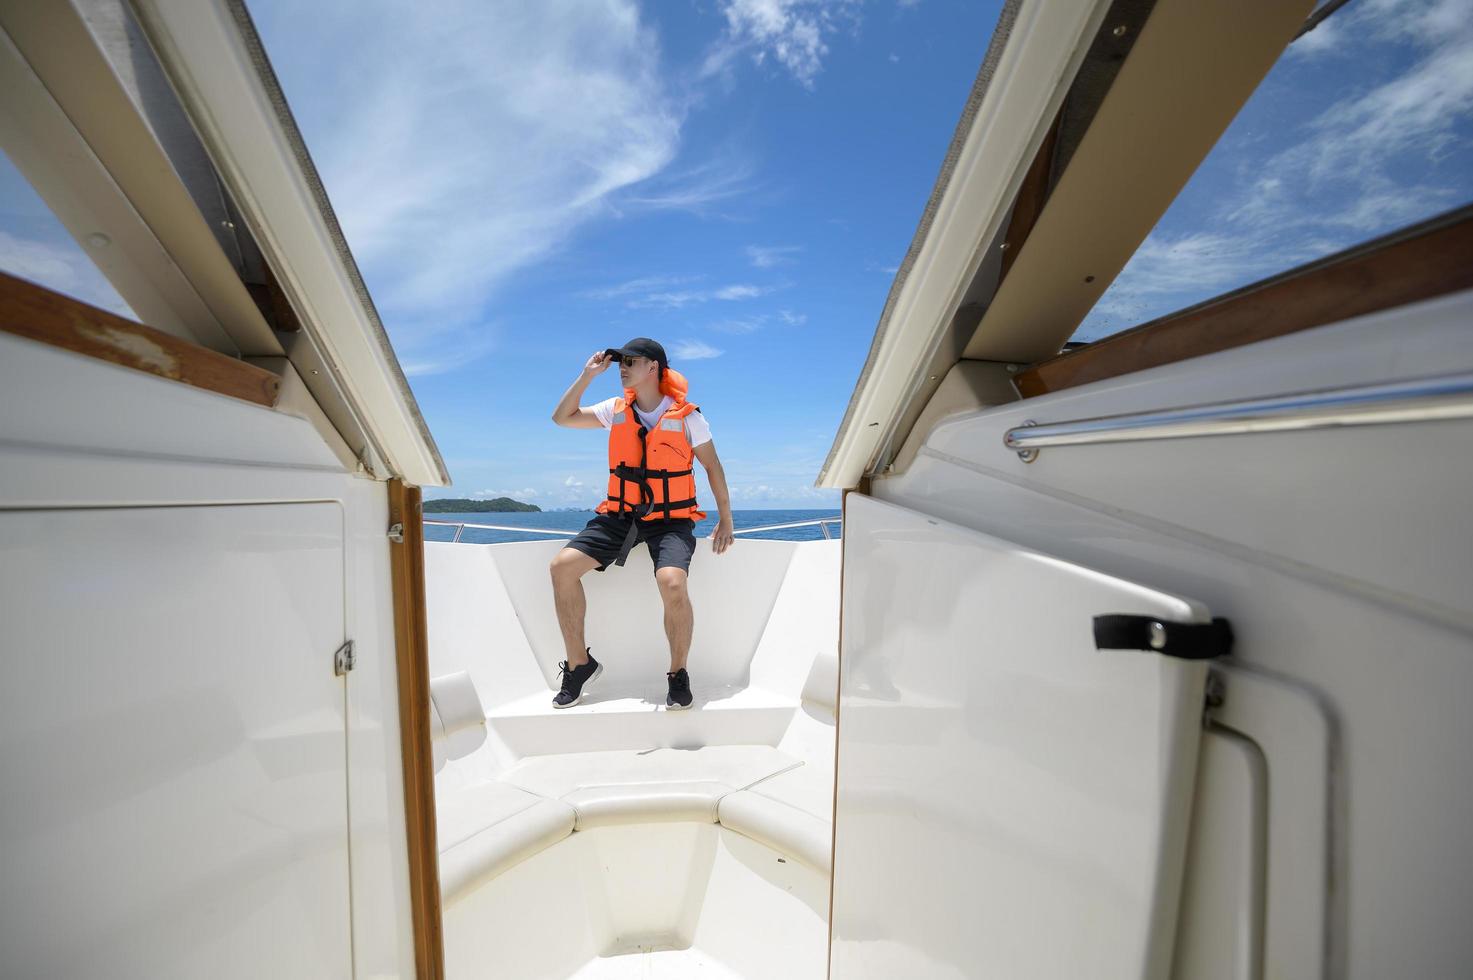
630, 361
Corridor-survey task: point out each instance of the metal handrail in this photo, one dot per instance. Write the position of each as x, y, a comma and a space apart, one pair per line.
1418, 400
460, 526
822, 522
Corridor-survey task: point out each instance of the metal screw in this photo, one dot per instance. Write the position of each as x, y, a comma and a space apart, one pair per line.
1157, 636
1215, 693
228, 225
1012, 369
1027, 455
1120, 31
1089, 278
1003, 247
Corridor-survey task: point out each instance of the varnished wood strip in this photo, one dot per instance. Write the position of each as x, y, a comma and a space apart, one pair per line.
37, 313
411, 643
1418, 263
1032, 196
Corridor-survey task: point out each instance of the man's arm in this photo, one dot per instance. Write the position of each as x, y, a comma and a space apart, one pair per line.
568, 413
721, 538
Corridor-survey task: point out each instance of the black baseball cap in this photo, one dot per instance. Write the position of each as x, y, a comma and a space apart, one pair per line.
641, 347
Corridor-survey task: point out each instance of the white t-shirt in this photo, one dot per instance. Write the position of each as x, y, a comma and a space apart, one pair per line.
695, 422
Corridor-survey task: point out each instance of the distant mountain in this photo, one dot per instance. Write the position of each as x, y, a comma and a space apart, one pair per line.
462, 505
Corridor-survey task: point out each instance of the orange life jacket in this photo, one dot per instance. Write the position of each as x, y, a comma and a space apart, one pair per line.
650, 471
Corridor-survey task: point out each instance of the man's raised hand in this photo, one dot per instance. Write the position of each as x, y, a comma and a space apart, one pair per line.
597, 364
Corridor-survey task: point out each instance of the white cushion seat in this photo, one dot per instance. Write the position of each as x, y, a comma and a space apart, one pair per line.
663, 802
790, 812
627, 785
486, 828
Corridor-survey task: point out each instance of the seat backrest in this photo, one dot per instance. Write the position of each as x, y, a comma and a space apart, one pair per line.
821, 689
456, 707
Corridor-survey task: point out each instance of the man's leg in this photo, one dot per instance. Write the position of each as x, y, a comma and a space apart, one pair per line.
568, 569
680, 618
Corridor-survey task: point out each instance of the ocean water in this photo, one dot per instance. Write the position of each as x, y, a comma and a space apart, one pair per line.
573, 521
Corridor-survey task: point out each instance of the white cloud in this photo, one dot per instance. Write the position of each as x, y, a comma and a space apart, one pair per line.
63, 267
693, 350
791, 32
740, 325
641, 286
572, 481
655, 292
522, 494
792, 495
739, 292
1354, 172
695, 189
1369, 162
792, 319
767, 256
461, 144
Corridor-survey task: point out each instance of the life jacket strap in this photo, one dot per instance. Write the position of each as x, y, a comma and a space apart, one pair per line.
634, 473
646, 495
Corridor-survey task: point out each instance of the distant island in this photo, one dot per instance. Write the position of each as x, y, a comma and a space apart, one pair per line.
462, 505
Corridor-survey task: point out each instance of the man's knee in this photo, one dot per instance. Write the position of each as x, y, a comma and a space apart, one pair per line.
569, 565
672, 583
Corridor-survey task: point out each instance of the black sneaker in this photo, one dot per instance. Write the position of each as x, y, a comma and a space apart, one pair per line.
575, 680
679, 697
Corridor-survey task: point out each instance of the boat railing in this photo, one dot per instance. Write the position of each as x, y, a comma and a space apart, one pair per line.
1417, 400
822, 523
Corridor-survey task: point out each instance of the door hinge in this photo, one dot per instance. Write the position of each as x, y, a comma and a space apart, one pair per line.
396, 533
344, 659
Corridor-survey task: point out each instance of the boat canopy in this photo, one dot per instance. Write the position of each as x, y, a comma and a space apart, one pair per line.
1084, 123
159, 129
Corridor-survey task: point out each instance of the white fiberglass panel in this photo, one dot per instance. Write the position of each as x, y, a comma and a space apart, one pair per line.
172, 743
1012, 802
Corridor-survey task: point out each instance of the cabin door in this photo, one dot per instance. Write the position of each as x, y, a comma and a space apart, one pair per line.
173, 739
1012, 801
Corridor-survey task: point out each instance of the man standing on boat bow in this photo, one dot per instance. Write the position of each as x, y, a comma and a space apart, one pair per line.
653, 433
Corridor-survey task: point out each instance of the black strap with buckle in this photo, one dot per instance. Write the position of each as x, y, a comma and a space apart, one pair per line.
1185, 641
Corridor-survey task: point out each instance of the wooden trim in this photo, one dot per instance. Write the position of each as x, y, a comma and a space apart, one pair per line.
411, 643
1032, 196
863, 488
39, 314
1418, 263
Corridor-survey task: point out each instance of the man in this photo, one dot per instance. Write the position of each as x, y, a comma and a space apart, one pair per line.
653, 433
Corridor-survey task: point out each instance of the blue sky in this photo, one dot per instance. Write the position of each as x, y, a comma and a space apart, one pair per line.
523, 183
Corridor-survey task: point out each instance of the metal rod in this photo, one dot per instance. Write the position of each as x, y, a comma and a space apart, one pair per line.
499, 527
773, 527
1318, 17
1419, 400
822, 522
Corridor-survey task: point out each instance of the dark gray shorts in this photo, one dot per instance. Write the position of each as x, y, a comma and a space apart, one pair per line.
671, 543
